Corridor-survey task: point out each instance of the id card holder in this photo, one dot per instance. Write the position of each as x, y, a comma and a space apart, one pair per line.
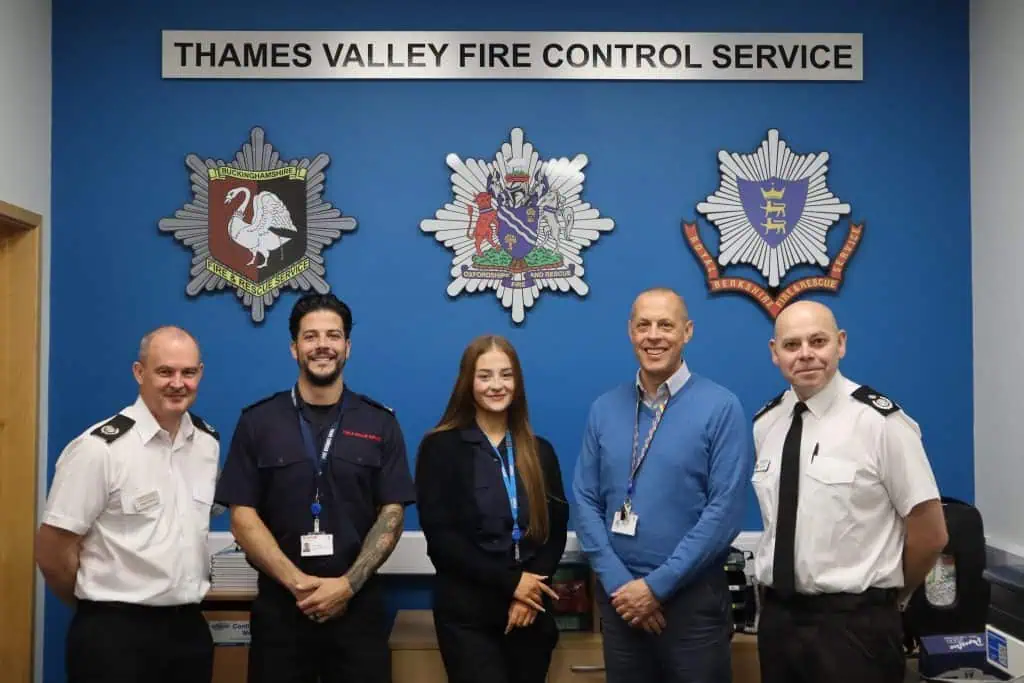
624, 523
317, 545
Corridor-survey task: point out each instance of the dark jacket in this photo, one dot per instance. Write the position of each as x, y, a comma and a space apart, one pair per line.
469, 538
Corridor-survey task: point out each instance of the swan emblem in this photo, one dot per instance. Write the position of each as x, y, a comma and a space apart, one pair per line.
268, 213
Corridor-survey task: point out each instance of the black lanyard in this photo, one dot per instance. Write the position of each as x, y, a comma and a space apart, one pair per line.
318, 462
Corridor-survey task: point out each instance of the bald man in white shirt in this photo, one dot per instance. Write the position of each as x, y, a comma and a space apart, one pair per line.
124, 532
852, 515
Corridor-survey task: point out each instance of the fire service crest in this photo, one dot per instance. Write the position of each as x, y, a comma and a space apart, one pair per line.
773, 211
257, 224
517, 225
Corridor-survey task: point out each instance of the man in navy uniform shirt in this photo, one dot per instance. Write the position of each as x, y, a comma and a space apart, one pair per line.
317, 481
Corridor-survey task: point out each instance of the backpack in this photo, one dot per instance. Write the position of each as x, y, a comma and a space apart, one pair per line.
954, 597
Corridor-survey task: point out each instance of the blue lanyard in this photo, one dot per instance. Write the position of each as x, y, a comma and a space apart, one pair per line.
509, 477
318, 463
640, 453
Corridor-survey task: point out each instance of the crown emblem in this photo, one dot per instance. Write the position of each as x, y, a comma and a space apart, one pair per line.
772, 193
516, 174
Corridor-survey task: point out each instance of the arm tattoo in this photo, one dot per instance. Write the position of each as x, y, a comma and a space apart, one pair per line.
377, 546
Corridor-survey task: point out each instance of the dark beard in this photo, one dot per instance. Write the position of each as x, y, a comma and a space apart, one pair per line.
322, 380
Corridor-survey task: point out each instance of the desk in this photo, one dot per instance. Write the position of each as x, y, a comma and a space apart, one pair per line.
228, 615
578, 658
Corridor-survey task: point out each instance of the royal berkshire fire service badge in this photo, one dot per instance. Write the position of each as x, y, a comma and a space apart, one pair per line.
517, 225
257, 224
773, 212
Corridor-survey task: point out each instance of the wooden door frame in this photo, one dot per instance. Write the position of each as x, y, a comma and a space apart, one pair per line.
20, 356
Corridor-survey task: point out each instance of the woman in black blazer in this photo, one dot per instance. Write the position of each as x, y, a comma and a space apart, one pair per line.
492, 595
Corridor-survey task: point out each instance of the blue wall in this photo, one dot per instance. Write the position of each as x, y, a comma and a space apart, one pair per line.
899, 144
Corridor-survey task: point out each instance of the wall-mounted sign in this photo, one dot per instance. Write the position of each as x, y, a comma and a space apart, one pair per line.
773, 211
517, 225
257, 224
513, 54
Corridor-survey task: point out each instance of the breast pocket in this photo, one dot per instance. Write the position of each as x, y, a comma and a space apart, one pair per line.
765, 483
355, 468
143, 502
140, 512
830, 484
283, 473
202, 501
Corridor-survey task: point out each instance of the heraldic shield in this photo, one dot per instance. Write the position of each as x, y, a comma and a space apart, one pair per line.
258, 221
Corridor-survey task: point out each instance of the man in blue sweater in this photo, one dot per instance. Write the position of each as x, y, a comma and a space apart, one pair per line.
660, 490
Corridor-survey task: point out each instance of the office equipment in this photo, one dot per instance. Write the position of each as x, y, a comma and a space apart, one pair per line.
1004, 631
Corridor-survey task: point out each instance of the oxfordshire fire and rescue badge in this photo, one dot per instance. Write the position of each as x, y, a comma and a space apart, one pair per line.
773, 211
517, 225
257, 224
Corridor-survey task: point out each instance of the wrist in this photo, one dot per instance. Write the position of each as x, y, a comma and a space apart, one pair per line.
654, 587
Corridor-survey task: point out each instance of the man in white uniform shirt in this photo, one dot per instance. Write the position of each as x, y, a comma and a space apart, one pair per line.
124, 533
852, 515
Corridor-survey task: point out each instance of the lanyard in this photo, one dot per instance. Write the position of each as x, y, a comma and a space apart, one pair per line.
640, 454
509, 477
318, 462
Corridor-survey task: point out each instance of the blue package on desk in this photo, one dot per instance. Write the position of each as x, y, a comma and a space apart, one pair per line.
943, 655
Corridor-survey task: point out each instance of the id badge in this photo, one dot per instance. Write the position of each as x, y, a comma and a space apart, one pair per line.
317, 545
624, 524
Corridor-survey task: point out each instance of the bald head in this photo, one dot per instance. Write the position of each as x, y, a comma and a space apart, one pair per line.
662, 295
805, 311
807, 346
163, 335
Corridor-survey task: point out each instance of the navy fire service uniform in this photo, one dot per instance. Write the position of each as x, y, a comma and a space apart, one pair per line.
271, 467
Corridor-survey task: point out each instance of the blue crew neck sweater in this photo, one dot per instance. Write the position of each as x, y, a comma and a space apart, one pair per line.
689, 494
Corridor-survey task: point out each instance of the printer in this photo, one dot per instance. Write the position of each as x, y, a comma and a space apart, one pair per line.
1004, 630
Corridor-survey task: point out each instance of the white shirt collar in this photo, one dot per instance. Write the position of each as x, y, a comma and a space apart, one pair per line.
147, 425
819, 404
672, 385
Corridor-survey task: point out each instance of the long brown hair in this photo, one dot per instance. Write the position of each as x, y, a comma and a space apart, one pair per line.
461, 413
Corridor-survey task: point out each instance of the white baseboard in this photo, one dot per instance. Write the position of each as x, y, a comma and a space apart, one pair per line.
410, 555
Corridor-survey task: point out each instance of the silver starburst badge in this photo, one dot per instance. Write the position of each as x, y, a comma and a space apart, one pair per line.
517, 224
257, 224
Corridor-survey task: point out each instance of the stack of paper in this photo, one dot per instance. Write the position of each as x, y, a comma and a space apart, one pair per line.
231, 572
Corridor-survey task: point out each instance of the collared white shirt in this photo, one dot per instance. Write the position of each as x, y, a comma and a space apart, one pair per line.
666, 389
142, 505
861, 473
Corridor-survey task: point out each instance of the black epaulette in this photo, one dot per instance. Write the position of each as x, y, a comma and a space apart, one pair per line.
768, 406
882, 404
114, 428
376, 403
203, 425
262, 401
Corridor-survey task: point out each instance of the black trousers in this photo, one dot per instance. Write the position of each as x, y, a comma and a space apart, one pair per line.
113, 642
289, 647
694, 647
839, 638
478, 650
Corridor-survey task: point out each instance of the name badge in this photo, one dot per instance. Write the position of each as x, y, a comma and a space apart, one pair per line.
317, 545
762, 466
624, 525
147, 501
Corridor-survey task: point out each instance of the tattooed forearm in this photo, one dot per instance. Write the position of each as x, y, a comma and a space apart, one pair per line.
377, 547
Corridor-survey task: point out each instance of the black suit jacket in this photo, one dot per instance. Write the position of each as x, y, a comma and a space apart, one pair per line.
476, 580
